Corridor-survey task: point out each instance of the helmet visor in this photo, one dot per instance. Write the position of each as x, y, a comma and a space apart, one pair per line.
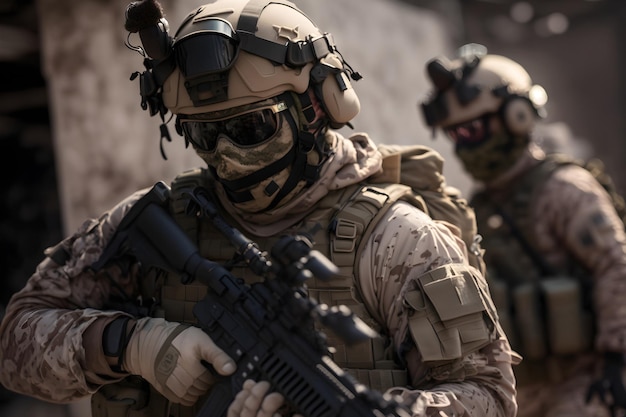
249, 128
211, 49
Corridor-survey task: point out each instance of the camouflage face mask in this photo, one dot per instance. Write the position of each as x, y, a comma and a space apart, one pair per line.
490, 158
237, 164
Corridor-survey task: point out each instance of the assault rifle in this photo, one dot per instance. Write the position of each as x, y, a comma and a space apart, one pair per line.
266, 327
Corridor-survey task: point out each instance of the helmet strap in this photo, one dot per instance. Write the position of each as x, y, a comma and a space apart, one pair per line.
300, 168
310, 135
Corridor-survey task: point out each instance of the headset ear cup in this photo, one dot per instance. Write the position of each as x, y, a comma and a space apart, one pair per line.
519, 115
341, 106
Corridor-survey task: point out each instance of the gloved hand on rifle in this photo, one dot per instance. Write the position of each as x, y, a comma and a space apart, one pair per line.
610, 387
169, 356
254, 401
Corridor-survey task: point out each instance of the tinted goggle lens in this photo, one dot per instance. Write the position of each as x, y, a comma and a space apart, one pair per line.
246, 129
472, 132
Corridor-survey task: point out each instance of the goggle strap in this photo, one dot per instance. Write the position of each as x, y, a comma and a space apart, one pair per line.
294, 54
307, 107
299, 171
262, 47
301, 53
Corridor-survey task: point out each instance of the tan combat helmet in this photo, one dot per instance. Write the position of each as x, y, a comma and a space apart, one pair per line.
229, 73
232, 53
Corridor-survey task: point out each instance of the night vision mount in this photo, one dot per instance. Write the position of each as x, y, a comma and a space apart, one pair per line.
145, 17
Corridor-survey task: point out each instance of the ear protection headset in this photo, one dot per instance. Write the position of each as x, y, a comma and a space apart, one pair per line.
329, 75
332, 87
518, 112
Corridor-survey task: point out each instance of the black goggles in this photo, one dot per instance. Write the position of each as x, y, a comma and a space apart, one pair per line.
210, 49
249, 128
473, 132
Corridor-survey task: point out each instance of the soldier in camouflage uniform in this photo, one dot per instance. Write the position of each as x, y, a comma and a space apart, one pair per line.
554, 244
258, 91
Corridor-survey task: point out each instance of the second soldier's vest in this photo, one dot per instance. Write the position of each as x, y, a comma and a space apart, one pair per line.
545, 311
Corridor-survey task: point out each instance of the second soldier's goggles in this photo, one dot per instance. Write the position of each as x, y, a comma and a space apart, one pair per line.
468, 133
248, 128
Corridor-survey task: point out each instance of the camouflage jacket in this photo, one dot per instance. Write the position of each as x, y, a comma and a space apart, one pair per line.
50, 345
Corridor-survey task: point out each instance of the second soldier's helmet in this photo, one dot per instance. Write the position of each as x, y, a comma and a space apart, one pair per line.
468, 93
476, 84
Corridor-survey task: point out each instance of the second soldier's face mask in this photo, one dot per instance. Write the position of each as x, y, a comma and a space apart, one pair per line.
486, 150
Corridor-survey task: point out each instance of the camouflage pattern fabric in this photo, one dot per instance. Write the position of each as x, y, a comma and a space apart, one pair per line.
388, 268
572, 221
50, 339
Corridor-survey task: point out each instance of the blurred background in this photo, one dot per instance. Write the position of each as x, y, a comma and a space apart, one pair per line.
74, 139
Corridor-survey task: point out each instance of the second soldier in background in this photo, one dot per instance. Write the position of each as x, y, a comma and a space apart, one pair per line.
554, 243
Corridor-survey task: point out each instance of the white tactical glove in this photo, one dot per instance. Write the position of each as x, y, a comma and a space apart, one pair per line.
254, 401
168, 356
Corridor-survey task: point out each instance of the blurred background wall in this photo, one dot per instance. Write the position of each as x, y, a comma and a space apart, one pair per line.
75, 140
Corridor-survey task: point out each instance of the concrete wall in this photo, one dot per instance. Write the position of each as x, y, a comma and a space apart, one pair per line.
106, 146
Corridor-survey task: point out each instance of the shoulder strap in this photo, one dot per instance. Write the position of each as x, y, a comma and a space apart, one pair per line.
354, 222
198, 177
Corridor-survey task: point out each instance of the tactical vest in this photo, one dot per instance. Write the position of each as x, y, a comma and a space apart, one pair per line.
544, 311
337, 225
